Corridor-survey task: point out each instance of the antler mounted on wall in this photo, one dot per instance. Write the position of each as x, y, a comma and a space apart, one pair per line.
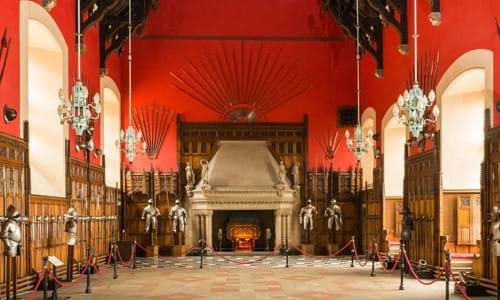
153, 121
329, 143
242, 83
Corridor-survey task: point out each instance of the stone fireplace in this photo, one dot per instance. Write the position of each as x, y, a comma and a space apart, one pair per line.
243, 181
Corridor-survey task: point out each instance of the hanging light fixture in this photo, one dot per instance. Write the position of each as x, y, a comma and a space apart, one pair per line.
77, 111
359, 145
412, 107
130, 138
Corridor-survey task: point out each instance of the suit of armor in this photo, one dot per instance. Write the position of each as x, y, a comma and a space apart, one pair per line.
71, 226
150, 213
11, 233
179, 217
334, 214
306, 216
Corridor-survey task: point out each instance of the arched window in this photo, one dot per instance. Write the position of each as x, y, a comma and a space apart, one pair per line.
110, 129
44, 63
367, 160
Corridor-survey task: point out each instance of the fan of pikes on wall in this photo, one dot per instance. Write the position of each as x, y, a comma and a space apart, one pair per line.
242, 83
154, 122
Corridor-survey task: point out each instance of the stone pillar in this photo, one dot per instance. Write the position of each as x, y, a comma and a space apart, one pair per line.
279, 230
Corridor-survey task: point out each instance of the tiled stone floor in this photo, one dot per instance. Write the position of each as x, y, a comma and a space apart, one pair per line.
182, 279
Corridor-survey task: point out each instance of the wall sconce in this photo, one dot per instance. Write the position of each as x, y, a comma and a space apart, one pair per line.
9, 114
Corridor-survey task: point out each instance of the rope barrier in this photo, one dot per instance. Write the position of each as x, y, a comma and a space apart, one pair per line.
275, 251
356, 255
386, 270
322, 256
457, 284
32, 294
121, 259
410, 265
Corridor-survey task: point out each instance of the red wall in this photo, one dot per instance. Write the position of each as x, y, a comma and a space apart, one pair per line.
465, 26
330, 66
63, 14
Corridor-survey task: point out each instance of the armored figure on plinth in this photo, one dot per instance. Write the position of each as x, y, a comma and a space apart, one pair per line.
334, 215
70, 227
179, 218
296, 176
11, 237
306, 217
150, 213
11, 233
190, 179
406, 224
495, 231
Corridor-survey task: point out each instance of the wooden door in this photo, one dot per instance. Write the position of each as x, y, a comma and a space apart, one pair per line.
468, 219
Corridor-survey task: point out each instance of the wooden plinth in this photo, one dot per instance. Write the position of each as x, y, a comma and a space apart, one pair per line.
332, 248
308, 248
152, 251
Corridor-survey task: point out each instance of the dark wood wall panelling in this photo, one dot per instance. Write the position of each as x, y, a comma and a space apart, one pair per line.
373, 210
43, 216
345, 187
160, 186
422, 197
490, 193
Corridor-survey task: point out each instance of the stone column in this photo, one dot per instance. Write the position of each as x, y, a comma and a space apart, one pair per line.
279, 233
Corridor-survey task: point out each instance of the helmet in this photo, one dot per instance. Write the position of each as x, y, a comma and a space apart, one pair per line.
333, 201
309, 201
72, 213
496, 209
150, 201
12, 212
177, 201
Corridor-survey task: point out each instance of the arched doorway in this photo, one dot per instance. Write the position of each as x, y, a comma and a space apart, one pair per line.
368, 160
393, 149
465, 92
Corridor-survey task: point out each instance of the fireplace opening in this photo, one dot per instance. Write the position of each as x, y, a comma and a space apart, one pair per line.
243, 231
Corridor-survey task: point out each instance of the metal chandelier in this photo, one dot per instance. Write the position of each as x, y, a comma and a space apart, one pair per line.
130, 138
77, 111
359, 145
412, 107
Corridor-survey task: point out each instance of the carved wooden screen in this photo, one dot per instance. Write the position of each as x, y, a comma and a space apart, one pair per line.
197, 141
343, 186
140, 186
421, 196
490, 192
373, 211
12, 191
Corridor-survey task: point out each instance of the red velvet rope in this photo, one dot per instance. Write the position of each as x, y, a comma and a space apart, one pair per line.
396, 261
457, 284
322, 256
32, 294
418, 278
121, 260
356, 255
275, 251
